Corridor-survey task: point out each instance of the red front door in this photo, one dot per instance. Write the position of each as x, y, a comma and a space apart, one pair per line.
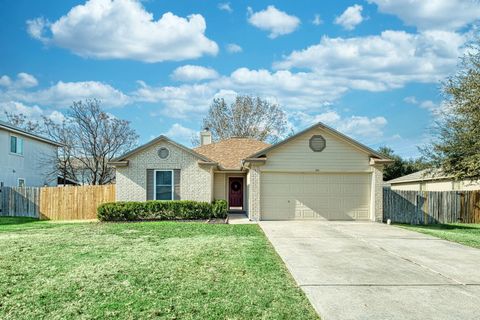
235, 193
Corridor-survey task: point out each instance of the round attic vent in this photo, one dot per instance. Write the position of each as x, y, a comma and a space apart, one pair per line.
317, 143
163, 153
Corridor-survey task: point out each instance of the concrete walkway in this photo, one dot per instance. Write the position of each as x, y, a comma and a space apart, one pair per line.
239, 218
355, 270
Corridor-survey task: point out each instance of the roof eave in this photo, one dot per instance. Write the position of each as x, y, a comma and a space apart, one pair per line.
30, 135
376, 161
123, 163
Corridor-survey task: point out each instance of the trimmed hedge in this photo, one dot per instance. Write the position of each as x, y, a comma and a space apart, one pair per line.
161, 210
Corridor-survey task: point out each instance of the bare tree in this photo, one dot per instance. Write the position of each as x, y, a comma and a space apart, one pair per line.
90, 138
20, 120
246, 117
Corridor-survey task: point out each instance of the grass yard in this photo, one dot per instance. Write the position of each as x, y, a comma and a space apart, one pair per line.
467, 234
167, 270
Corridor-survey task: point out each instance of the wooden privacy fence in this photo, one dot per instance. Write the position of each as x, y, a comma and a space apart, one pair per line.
55, 203
427, 207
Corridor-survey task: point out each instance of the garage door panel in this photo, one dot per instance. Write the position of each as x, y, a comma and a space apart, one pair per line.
287, 196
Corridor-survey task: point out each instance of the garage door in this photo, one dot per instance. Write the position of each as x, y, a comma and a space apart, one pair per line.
287, 196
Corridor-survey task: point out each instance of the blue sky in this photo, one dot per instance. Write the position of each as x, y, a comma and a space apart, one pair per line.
371, 69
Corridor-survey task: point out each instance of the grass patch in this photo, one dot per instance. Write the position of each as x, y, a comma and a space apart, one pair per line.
467, 234
162, 270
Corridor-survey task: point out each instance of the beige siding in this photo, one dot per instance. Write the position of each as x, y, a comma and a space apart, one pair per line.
195, 182
440, 185
414, 186
296, 156
468, 185
219, 187
329, 196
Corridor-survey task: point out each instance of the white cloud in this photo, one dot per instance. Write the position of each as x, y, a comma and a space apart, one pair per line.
317, 20
234, 48
432, 14
367, 129
123, 29
351, 17
62, 94
177, 101
225, 6
23, 80
294, 91
180, 133
436, 109
31, 112
277, 22
428, 105
5, 81
193, 73
410, 100
381, 62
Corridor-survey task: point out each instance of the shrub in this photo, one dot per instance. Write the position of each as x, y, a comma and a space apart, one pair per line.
161, 210
220, 208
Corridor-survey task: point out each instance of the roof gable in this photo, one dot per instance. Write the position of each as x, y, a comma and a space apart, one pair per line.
328, 129
155, 141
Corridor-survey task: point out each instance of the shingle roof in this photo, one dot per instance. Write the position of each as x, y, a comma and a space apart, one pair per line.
422, 175
230, 152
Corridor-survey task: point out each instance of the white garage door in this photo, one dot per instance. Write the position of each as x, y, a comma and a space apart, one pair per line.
287, 196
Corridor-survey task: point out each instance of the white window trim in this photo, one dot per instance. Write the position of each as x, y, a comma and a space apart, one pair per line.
10, 144
155, 183
24, 182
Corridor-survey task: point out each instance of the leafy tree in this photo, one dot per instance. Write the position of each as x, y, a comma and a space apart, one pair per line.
246, 117
90, 138
455, 148
400, 166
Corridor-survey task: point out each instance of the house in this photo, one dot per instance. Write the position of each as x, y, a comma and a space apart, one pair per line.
26, 159
431, 180
318, 173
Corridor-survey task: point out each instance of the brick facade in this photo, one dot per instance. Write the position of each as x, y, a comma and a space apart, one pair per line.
196, 181
377, 190
253, 185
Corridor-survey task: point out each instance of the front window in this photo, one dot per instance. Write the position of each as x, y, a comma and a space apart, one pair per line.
16, 145
164, 185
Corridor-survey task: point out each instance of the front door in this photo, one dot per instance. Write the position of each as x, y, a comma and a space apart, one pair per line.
235, 193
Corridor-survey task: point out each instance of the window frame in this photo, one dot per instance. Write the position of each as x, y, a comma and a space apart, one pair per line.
18, 138
155, 184
24, 182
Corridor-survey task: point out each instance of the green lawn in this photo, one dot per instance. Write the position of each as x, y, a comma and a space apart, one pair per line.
167, 270
467, 234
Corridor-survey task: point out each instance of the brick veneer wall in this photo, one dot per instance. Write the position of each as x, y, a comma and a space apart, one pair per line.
253, 180
195, 180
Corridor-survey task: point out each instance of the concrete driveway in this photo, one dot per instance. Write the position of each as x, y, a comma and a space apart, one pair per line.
362, 270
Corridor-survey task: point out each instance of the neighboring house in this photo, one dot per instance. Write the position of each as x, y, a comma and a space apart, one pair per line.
26, 159
318, 173
428, 180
